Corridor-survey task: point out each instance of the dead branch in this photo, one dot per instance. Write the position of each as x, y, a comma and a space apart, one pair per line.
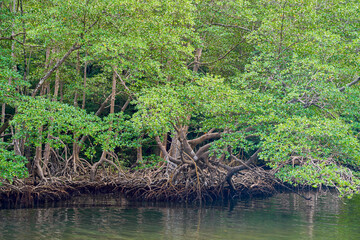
349, 84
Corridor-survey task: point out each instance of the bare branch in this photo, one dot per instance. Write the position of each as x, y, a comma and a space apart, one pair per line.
220, 58
92, 25
5, 125
187, 148
349, 84
126, 104
194, 142
231, 26
212, 62
102, 106
12, 37
57, 65
202, 150
123, 82
234, 170
163, 149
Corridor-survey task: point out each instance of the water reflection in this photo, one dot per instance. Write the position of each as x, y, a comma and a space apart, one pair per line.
285, 216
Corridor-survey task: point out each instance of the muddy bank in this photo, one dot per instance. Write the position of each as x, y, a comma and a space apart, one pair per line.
143, 185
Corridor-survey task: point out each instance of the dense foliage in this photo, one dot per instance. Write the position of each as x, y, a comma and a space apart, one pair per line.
87, 82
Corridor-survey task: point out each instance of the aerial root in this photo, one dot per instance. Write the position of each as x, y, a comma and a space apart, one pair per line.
28, 195
187, 185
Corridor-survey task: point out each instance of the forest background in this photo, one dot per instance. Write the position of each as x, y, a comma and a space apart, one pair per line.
201, 88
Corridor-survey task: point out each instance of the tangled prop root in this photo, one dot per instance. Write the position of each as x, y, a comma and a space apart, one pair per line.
182, 184
189, 186
28, 195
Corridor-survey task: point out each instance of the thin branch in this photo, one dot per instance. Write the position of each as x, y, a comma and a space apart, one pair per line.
212, 62
231, 26
123, 82
5, 125
126, 104
12, 37
220, 58
5, 135
57, 65
92, 25
349, 84
203, 150
234, 170
103, 105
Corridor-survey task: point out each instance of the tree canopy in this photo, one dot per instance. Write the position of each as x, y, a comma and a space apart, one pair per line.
195, 83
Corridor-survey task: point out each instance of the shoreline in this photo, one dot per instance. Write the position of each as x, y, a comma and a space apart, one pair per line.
134, 186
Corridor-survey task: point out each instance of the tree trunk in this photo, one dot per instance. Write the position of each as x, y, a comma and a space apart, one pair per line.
76, 99
164, 144
61, 91
95, 166
46, 90
78, 73
197, 60
85, 79
38, 171
57, 83
75, 156
175, 146
76, 148
37, 162
139, 155
3, 112
113, 93
112, 110
46, 157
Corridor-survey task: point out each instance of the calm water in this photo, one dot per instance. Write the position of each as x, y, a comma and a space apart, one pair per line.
284, 216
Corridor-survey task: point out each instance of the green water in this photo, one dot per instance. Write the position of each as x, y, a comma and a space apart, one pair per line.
284, 216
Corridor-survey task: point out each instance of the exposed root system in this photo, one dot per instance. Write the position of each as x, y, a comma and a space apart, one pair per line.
159, 184
28, 195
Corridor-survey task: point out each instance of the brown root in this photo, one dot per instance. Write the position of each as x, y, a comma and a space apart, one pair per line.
184, 183
188, 184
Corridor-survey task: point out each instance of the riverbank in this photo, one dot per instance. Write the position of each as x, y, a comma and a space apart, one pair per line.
141, 185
